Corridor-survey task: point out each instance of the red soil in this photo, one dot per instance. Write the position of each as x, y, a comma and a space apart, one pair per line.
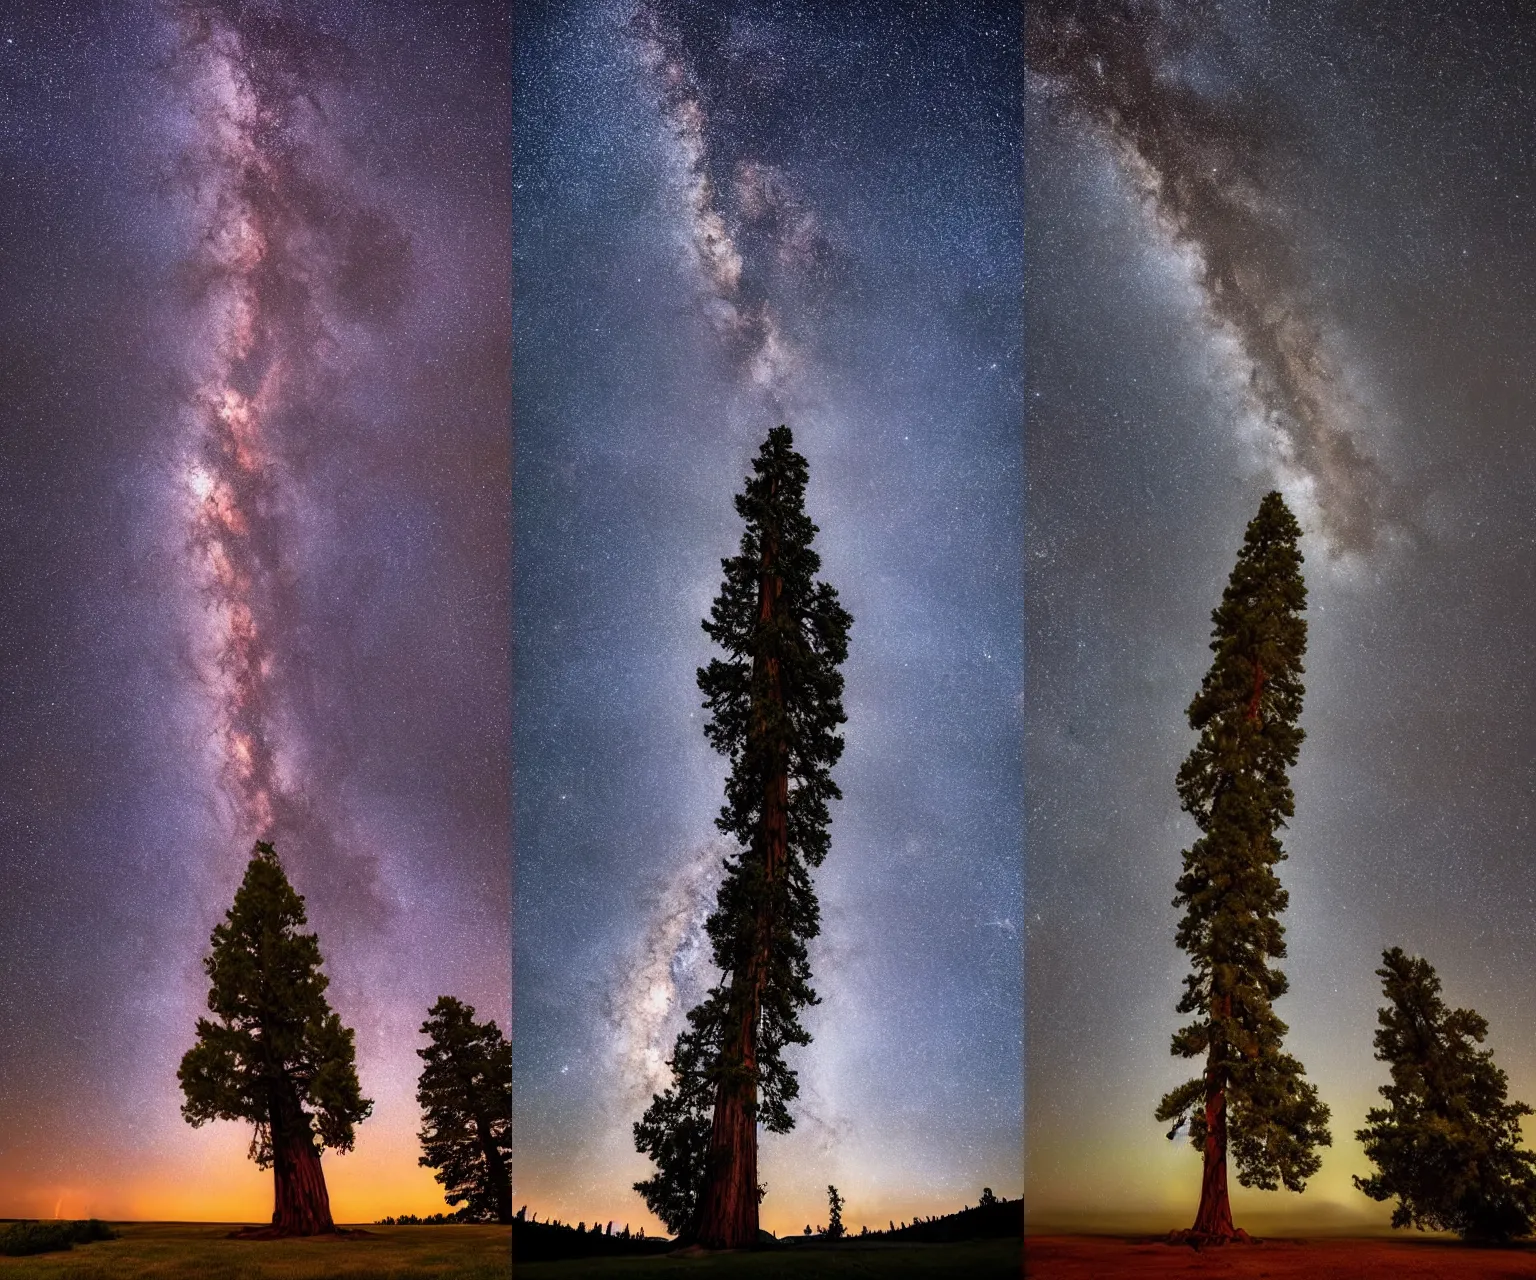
1146, 1258
272, 1233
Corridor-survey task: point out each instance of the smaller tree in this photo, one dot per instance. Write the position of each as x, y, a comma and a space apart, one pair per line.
465, 1092
675, 1131
1448, 1144
834, 1214
987, 1199
277, 1056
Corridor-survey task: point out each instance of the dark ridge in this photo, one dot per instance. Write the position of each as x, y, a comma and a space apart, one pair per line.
999, 1220
552, 1241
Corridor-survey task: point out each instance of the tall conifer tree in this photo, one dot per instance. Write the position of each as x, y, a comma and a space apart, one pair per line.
277, 1056
1251, 1096
775, 703
1447, 1146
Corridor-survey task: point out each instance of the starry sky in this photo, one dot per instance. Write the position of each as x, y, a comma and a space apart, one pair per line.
255, 537
1274, 246
726, 217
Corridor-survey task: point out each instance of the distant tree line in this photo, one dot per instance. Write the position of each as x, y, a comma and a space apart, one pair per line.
25, 1239
989, 1218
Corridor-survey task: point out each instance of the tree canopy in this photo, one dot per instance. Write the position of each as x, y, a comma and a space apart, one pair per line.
465, 1092
674, 1132
1447, 1146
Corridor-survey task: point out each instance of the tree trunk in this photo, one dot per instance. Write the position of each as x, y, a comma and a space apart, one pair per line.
727, 1212
727, 1215
1214, 1220
301, 1205
495, 1170
1258, 692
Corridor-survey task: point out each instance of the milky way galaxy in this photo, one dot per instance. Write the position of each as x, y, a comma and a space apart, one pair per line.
273, 257
1201, 165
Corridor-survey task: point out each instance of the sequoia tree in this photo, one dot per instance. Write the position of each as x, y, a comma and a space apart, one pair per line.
465, 1092
1251, 1096
1447, 1145
775, 704
276, 1056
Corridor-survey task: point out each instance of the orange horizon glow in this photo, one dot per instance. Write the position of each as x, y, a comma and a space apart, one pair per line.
380, 1178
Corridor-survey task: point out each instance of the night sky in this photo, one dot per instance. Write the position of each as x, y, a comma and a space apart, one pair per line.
374, 384
1274, 246
254, 542
727, 217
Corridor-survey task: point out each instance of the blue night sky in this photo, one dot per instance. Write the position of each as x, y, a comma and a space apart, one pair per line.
727, 217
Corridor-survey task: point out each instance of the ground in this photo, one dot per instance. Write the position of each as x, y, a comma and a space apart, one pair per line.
970, 1260
1408, 1257
203, 1251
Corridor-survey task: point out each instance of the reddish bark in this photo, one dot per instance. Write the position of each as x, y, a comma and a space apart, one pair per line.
727, 1214
301, 1205
1258, 691
1213, 1220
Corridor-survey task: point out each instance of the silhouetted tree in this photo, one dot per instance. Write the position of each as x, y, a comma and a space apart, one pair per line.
1448, 1144
465, 1093
277, 1056
834, 1214
1234, 785
987, 1198
775, 703
674, 1132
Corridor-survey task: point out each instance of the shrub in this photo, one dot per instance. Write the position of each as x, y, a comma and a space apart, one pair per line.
25, 1238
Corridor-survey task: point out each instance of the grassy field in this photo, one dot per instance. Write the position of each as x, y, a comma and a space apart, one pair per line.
202, 1251
971, 1260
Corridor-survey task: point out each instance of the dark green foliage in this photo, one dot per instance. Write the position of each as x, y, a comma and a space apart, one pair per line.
22, 1239
465, 1092
1234, 784
674, 1131
834, 1214
775, 704
809, 640
1447, 1146
275, 1033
